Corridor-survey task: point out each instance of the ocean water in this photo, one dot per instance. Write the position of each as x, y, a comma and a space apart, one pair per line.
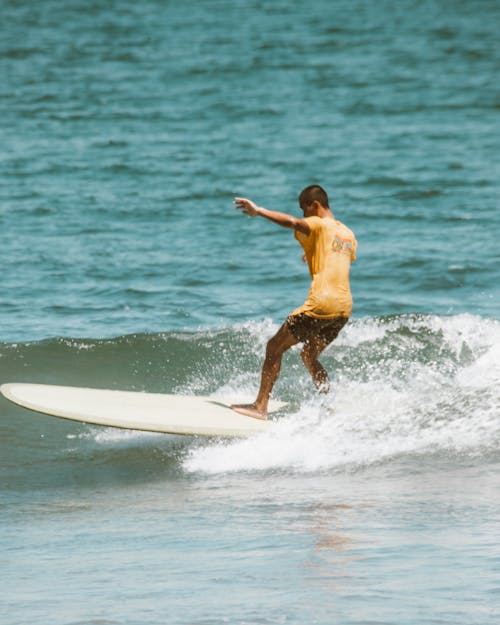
127, 130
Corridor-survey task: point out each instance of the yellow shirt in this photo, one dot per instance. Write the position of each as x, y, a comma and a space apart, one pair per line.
329, 248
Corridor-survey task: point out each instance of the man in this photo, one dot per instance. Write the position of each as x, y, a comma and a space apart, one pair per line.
329, 247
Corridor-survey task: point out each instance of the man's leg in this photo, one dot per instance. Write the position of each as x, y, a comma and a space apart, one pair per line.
276, 347
310, 352
314, 345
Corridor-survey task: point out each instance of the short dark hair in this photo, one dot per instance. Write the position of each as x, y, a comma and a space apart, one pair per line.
313, 193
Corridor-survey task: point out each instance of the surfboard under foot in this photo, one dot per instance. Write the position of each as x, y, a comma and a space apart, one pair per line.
149, 412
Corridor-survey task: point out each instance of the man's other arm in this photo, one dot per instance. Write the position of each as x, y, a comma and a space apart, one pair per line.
282, 219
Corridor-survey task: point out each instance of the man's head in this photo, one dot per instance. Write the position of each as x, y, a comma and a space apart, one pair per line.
310, 196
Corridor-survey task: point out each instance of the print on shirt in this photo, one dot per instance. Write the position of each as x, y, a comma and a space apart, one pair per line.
341, 246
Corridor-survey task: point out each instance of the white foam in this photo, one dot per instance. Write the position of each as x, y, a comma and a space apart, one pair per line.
114, 436
391, 408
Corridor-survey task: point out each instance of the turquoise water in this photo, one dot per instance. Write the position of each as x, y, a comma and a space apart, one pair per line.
127, 129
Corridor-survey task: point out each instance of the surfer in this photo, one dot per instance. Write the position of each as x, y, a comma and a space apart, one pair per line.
329, 248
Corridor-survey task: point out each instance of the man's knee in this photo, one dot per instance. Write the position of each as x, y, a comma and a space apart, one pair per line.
308, 358
310, 353
274, 346
280, 342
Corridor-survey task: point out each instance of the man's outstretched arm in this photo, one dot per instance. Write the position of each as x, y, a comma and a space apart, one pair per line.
282, 219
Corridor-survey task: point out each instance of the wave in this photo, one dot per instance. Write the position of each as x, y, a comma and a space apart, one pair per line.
404, 386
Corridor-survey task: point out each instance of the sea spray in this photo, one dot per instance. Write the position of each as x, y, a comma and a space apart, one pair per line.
409, 394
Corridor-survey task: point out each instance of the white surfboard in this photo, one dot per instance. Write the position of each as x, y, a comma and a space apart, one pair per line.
150, 412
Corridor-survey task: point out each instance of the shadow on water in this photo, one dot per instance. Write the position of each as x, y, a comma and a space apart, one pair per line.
41, 452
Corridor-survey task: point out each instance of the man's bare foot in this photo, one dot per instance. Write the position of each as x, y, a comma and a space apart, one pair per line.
249, 410
324, 388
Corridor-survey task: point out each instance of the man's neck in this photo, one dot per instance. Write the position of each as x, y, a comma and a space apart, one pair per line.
325, 213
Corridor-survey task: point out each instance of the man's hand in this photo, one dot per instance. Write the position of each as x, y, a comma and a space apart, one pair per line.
246, 206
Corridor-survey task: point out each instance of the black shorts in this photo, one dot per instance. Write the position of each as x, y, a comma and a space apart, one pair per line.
306, 329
